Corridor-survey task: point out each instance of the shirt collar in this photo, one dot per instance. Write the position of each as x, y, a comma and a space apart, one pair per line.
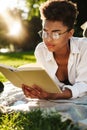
74, 45
49, 55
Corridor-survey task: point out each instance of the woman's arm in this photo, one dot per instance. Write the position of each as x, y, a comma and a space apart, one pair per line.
36, 92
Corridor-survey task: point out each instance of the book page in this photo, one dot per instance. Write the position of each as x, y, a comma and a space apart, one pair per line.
30, 66
40, 78
11, 75
29, 76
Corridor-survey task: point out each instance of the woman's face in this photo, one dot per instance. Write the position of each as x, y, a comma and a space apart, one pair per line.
51, 29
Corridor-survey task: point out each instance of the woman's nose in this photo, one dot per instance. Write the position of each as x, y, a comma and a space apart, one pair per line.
48, 38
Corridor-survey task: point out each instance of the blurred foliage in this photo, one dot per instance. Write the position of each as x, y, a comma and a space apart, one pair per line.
29, 37
3, 31
82, 8
82, 16
33, 6
32, 28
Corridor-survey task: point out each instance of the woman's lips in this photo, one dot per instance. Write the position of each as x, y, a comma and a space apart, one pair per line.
50, 45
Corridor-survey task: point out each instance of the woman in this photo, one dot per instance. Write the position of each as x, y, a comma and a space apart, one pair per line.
63, 56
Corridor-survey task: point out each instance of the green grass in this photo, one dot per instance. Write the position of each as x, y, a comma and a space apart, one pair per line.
35, 120
15, 59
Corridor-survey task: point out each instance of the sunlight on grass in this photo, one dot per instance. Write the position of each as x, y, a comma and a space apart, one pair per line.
16, 59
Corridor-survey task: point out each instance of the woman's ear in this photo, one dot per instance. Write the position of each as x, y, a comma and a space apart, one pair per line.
71, 32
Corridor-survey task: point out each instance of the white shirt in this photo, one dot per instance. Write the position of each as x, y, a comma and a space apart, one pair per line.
77, 65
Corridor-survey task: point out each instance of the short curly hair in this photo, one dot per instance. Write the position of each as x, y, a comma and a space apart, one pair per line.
59, 10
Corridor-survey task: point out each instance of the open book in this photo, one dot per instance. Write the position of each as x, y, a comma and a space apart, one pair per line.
29, 74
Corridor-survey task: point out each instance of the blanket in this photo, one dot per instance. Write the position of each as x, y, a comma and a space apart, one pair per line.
13, 99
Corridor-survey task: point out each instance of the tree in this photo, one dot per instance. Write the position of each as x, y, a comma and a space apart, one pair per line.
34, 24
33, 6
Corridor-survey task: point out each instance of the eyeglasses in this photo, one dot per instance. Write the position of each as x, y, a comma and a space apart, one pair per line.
54, 35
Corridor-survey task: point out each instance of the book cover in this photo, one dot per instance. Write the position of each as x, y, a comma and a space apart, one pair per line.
29, 74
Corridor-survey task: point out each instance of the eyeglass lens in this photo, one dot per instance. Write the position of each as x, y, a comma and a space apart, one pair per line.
53, 35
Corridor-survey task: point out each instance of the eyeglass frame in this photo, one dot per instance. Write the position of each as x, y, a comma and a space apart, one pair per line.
50, 35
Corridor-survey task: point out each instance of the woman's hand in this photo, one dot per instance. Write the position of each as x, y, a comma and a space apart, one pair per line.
36, 92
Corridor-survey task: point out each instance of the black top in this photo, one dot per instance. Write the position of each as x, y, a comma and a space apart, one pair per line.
1, 87
66, 82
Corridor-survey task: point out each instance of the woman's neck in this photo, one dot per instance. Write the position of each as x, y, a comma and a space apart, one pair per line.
62, 56
63, 52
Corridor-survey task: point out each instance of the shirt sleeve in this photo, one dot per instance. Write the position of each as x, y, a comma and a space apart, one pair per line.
78, 89
38, 53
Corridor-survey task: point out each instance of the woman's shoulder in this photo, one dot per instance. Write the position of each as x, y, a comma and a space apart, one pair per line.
41, 49
79, 41
40, 45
